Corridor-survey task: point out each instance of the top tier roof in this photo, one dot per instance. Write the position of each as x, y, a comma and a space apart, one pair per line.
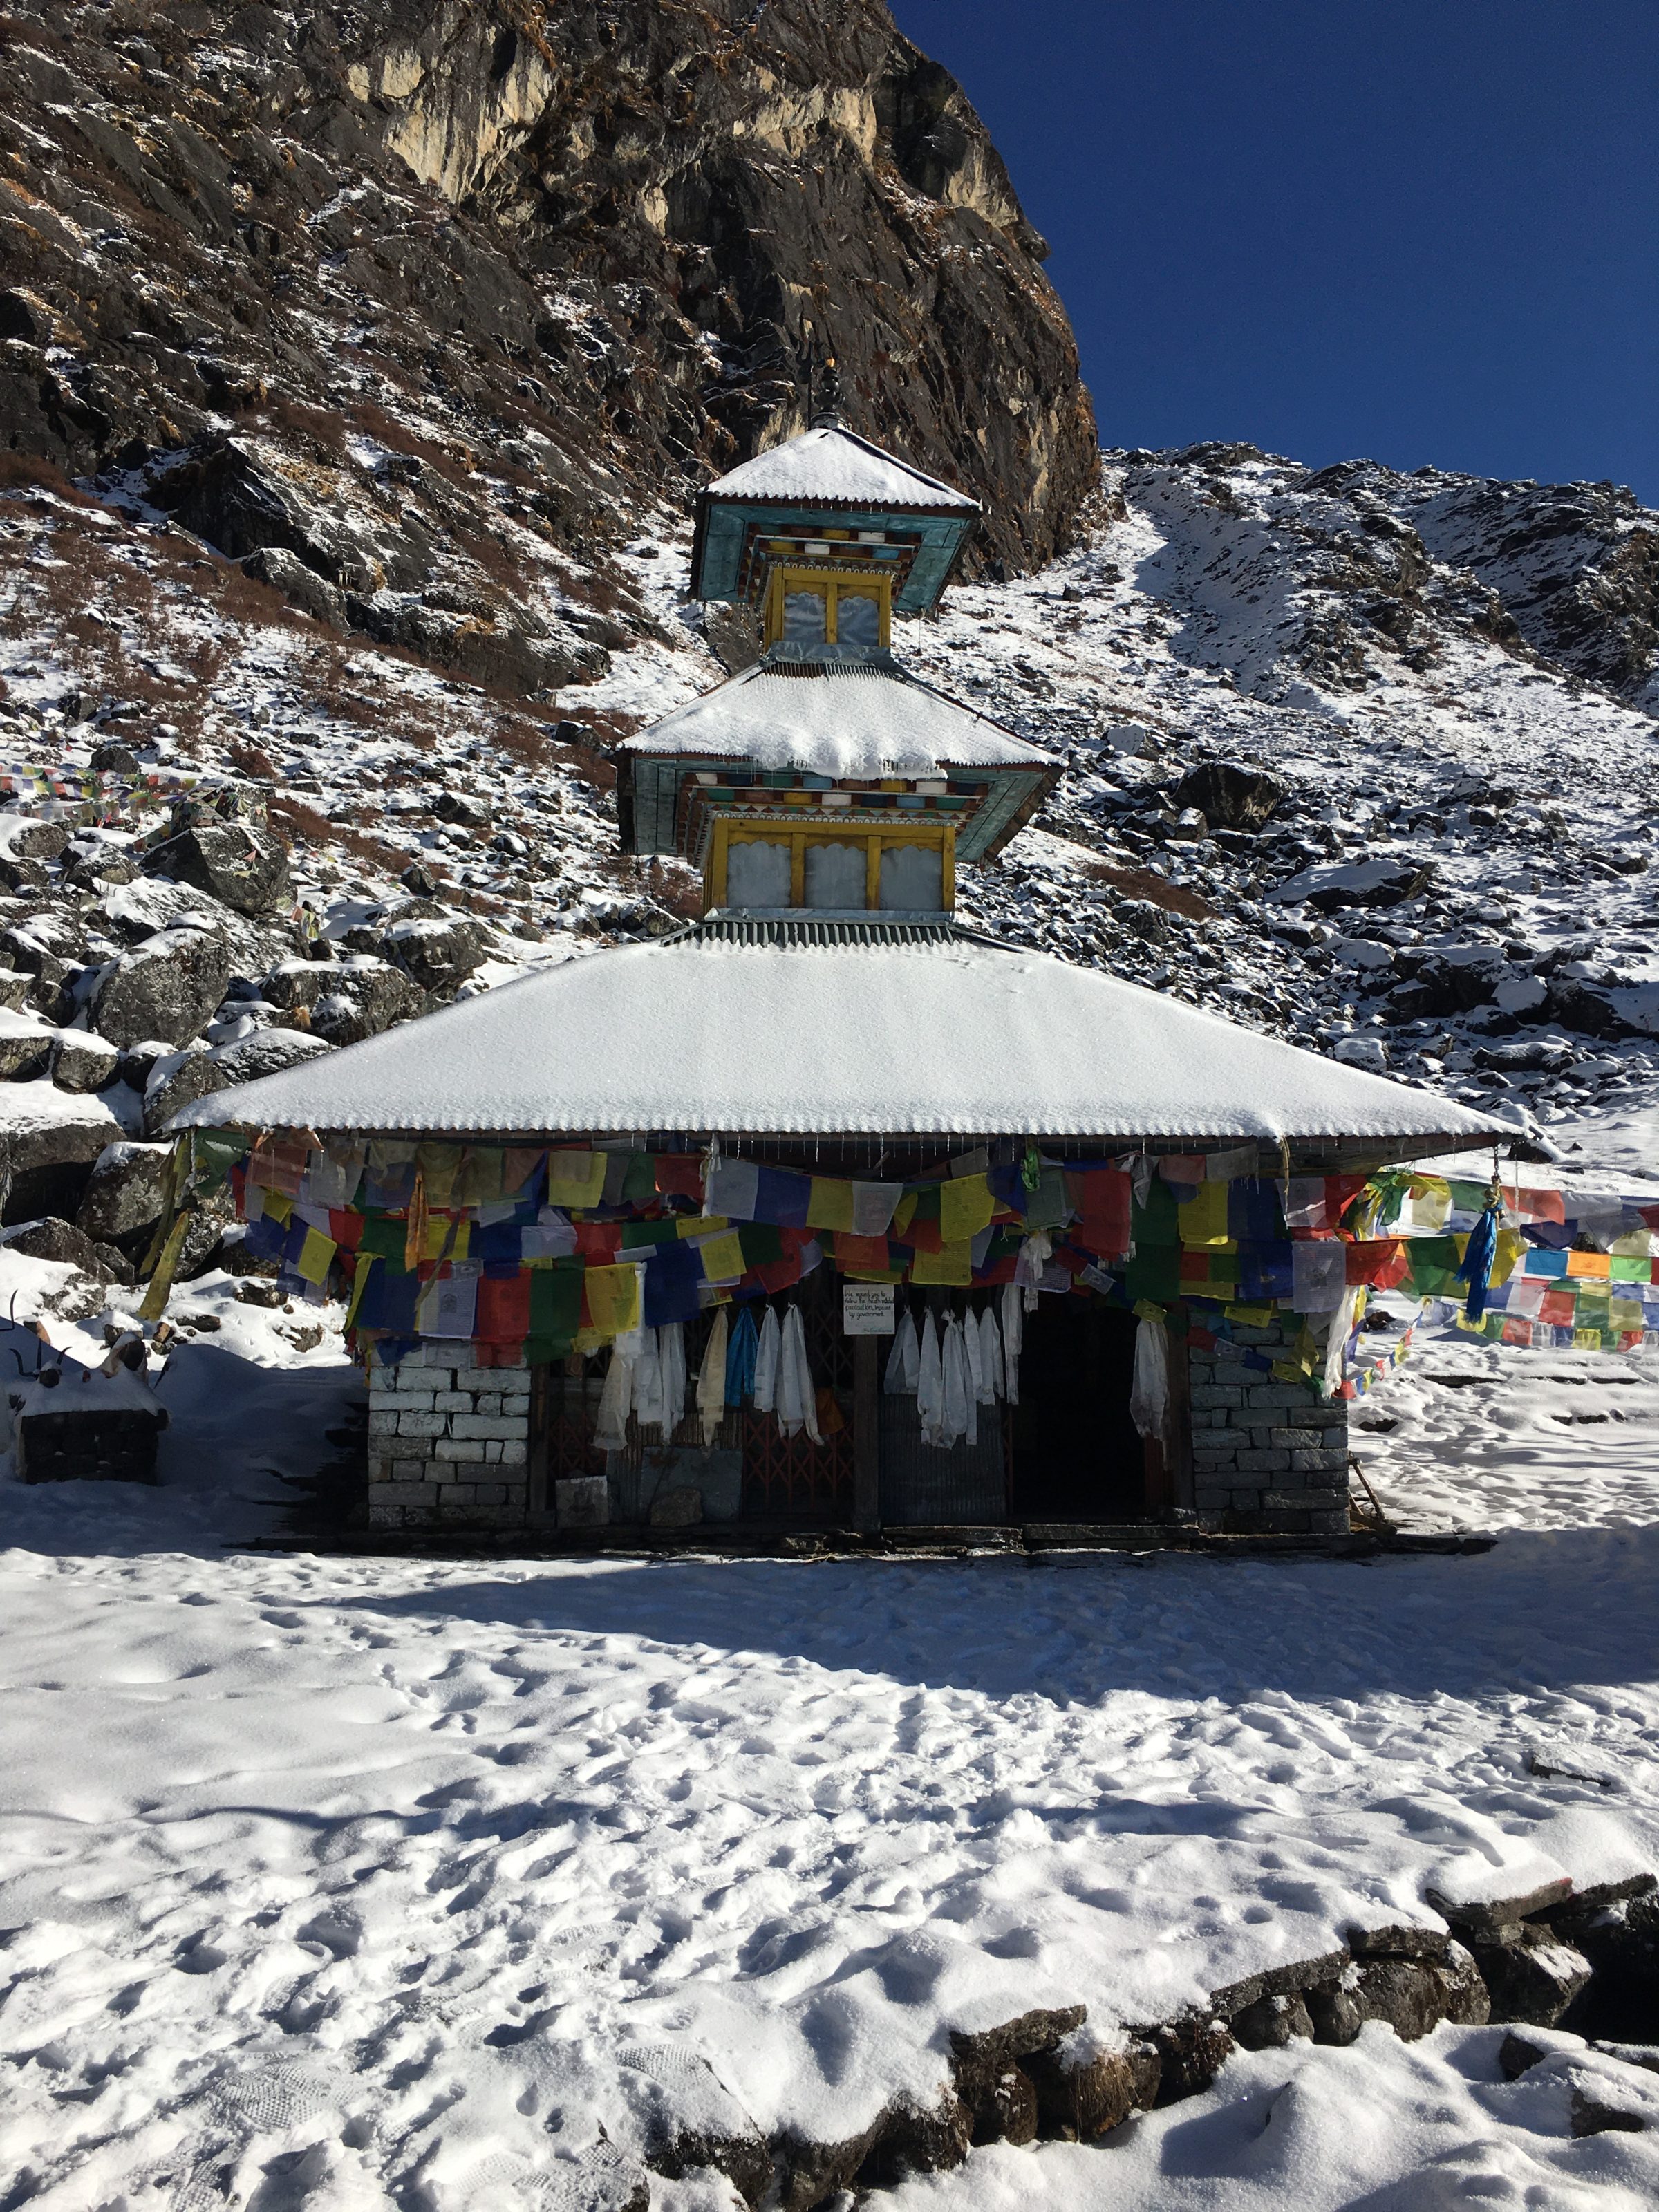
830, 478
838, 467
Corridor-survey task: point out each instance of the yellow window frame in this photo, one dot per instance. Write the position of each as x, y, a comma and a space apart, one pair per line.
727, 832
856, 583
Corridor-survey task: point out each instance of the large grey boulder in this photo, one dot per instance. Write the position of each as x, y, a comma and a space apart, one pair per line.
70, 1247
299, 584
126, 1192
48, 1142
439, 952
47, 946
81, 1062
23, 1040
179, 1080
1330, 887
239, 864
36, 840
164, 989
347, 1000
176, 1081
1229, 794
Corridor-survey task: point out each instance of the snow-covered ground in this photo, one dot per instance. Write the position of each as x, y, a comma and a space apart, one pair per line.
366, 1882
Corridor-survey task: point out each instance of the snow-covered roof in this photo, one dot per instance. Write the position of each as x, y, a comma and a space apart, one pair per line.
828, 462
805, 1028
851, 719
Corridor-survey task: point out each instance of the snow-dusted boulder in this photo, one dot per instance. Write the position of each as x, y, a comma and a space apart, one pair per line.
126, 1192
242, 865
166, 988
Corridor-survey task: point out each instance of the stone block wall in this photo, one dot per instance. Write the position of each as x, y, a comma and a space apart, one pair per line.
448, 1441
1269, 1458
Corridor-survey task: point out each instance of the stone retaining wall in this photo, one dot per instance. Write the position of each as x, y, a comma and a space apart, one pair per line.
448, 1441
1268, 1457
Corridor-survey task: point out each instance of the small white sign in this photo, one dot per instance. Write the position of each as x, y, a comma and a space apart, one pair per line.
866, 1308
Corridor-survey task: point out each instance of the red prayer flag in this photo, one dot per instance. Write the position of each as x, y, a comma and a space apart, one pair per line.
1382, 1265
679, 1174
1102, 1196
503, 1312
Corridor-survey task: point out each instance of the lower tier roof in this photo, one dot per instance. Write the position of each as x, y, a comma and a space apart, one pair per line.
826, 1030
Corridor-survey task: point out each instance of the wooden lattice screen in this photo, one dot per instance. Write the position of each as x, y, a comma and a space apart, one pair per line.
784, 1478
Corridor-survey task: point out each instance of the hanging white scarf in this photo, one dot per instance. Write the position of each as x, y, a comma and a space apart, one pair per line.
610, 1430
959, 1408
766, 1363
904, 1360
1013, 1338
930, 1383
796, 1401
648, 1383
671, 1352
711, 1380
990, 1359
1149, 1392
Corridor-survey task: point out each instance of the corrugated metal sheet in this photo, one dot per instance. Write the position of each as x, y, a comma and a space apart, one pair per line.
841, 1028
761, 929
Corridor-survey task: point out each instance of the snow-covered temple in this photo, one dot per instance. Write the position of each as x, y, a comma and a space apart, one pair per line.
830, 1212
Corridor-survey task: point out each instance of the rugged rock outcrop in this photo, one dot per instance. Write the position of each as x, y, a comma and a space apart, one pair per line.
429, 294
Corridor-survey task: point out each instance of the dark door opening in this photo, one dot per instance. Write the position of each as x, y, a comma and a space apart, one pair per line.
1076, 1455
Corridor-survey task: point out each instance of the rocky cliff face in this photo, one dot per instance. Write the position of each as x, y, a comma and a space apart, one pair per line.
428, 301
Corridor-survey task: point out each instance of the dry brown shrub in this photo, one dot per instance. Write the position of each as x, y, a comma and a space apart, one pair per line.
453, 466
21, 469
252, 760
1142, 884
321, 425
308, 825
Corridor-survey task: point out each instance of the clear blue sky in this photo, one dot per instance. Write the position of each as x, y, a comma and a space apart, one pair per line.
1419, 230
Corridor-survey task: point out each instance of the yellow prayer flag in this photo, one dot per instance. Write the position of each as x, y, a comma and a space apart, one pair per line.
953, 1265
575, 1178
830, 1205
1430, 1201
1203, 1219
613, 1298
1253, 1316
722, 1258
279, 1207
316, 1256
904, 1214
700, 1224
445, 1238
367, 1261
1510, 1246
965, 1207
154, 1302
439, 1165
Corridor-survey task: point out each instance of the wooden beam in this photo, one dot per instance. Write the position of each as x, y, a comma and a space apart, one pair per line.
866, 1432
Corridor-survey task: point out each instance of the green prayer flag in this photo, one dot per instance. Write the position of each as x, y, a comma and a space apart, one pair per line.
556, 1304
636, 1234
1153, 1272
1158, 1221
640, 1182
384, 1237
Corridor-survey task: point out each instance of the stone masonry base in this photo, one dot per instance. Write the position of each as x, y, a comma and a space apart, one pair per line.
448, 1441
449, 1444
1269, 1458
